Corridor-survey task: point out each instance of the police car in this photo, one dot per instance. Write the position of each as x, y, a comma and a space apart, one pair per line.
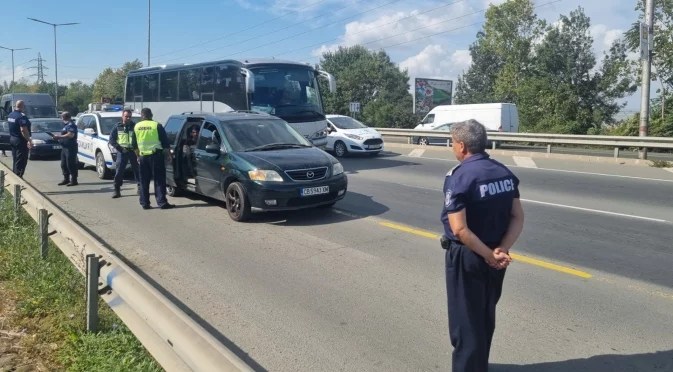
94, 127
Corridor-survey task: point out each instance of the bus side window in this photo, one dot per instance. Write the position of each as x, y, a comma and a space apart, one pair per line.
229, 87
190, 89
169, 86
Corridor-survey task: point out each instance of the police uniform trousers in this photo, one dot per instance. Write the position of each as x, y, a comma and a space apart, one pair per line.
69, 162
473, 290
122, 159
19, 155
153, 166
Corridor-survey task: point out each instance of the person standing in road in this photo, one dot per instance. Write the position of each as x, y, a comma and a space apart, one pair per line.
121, 138
68, 141
19, 138
482, 218
151, 146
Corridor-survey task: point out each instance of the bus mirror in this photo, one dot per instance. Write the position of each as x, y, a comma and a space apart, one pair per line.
249, 80
330, 78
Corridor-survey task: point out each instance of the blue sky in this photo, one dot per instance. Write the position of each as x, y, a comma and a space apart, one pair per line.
202, 30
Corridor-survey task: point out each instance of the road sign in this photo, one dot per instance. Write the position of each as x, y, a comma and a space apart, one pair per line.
355, 106
645, 46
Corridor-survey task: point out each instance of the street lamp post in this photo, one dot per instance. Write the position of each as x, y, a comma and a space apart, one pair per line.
149, 29
55, 59
13, 49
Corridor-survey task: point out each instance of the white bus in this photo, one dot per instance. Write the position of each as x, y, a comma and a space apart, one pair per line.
286, 89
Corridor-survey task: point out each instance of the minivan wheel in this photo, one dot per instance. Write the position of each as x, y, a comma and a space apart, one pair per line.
102, 170
238, 205
340, 149
173, 191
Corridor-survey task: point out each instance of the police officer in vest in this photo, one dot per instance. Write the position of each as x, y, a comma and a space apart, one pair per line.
121, 138
482, 218
151, 146
68, 141
19, 138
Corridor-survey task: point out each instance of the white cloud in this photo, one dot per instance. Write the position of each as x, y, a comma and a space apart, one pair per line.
20, 72
603, 38
402, 27
435, 61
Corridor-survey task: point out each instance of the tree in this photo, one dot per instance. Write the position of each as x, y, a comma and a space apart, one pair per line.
501, 55
110, 82
77, 97
372, 79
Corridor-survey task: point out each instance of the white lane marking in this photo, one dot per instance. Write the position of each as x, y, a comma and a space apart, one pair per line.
568, 171
525, 162
554, 205
669, 169
416, 153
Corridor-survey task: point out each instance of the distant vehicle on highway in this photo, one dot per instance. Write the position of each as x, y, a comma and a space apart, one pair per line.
93, 147
286, 89
500, 117
429, 140
348, 135
44, 145
254, 162
38, 105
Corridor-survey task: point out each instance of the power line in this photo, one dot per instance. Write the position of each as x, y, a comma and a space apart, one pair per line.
269, 33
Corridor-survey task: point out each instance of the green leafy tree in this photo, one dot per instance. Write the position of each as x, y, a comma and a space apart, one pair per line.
77, 97
372, 79
110, 82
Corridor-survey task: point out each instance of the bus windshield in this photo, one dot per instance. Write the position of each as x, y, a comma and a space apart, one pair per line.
34, 112
290, 93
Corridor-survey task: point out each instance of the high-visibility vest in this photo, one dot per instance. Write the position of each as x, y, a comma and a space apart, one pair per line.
147, 137
124, 138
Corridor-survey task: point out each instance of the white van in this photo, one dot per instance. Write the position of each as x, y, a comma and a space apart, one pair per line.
500, 117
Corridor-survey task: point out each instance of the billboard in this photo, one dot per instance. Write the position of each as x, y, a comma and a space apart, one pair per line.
429, 93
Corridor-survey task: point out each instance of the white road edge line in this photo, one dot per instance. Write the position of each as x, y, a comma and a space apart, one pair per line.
566, 171
669, 169
524, 161
416, 153
557, 205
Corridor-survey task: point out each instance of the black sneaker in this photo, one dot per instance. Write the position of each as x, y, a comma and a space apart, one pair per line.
116, 194
167, 206
73, 183
64, 182
146, 207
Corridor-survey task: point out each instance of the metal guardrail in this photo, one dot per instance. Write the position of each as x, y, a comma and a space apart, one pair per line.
176, 341
543, 138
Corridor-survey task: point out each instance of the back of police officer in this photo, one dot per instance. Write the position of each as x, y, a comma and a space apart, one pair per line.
122, 139
482, 218
152, 147
68, 141
19, 138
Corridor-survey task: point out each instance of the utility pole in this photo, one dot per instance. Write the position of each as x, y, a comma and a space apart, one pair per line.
40, 68
149, 29
646, 51
13, 49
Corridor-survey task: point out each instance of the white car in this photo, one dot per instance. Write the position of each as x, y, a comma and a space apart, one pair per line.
93, 135
348, 135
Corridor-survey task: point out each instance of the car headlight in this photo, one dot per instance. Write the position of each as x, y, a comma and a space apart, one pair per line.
353, 136
265, 175
38, 142
337, 169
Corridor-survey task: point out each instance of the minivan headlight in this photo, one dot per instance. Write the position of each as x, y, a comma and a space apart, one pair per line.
337, 169
265, 175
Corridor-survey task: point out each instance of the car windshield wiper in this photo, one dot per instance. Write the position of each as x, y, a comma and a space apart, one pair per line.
274, 146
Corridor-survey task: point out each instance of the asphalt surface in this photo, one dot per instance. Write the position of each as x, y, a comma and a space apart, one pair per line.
356, 289
652, 154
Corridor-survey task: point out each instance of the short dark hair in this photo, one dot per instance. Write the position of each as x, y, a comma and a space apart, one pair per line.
66, 115
129, 111
146, 113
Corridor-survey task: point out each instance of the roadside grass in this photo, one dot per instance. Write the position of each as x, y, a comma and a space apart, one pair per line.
50, 307
661, 164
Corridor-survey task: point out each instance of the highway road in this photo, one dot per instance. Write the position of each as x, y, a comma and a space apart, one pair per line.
361, 288
651, 154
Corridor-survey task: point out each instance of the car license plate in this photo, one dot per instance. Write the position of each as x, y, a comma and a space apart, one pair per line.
374, 147
57, 147
315, 191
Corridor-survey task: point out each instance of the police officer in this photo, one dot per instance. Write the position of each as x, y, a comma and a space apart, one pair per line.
68, 141
482, 218
19, 138
121, 138
151, 145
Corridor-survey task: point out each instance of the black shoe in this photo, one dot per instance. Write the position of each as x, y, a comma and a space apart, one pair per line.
64, 182
73, 183
146, 207
167, 206
116, 193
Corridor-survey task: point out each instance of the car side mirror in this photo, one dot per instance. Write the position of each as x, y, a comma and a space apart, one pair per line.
215, 149
90, 131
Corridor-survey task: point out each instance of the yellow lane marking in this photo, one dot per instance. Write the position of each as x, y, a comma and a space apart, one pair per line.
528, 260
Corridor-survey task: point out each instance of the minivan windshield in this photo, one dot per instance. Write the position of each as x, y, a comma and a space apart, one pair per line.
34, 112
346, 122
261, 135
47, 126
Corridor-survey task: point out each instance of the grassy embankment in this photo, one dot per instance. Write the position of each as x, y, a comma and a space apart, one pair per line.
43, 310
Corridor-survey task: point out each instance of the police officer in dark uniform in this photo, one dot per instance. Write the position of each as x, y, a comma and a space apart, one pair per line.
19, 138
121, 138
482, 218
68, 141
